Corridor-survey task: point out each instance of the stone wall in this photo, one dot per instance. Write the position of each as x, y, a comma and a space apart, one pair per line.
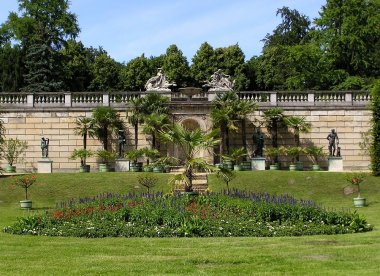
28, 120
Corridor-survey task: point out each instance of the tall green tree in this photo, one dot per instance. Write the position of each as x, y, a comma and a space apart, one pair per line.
294, 29
134, 74
105, 71
42, 28
11, 67
203, 64
348, 32
375, 132
176, 66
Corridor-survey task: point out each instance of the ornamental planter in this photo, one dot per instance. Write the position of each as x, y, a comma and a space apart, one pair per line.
26, 204
237, 168
84, 169
246, 165
158, 169
299, 166
148, 169
359, 202
316, 168
274, 167
228, 164
10, 169
293, 167
103, 168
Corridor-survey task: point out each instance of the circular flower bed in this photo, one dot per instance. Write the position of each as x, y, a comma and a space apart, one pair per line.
215, 215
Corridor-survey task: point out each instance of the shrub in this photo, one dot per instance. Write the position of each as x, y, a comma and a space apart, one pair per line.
216, 215
375, 148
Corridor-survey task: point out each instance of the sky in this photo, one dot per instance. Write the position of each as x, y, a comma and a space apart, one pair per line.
127, 29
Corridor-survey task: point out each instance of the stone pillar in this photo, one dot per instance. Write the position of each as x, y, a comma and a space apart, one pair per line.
211, 96
106, 99
30, 100
348, 97
45, 166
335, 164
68, 99
121, 165
258, 164
273, 98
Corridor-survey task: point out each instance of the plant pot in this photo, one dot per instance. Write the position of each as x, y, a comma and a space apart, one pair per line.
10, 169
84, 169
246, 165
134, 167
147, 169
158, 169
228, 164
316, 167
274, 167
167, 169
103, 168
26, 204
237, 168
292, 167
359, 201
299, 166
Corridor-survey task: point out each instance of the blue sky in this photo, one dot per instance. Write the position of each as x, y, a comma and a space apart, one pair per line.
126, 29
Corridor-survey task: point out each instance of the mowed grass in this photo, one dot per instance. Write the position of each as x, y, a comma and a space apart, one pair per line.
311, 255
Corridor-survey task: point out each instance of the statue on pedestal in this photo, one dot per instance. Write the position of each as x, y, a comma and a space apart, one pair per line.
219, 82
258, 143
45, 147
333, 143
121, 142
158, 82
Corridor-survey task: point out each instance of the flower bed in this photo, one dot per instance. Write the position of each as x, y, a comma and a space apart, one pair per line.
216, 215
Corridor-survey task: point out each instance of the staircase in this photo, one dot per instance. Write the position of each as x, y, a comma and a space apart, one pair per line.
199, 183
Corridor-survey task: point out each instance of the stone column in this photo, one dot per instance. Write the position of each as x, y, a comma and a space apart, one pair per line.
335, 164
258, 164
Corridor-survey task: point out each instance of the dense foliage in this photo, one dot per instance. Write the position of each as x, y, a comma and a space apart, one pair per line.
239, 214
375, 147
337, 50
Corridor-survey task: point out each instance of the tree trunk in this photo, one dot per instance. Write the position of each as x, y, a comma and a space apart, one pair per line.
136, 135
244, 135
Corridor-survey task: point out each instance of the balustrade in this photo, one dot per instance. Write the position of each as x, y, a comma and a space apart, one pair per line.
117, 99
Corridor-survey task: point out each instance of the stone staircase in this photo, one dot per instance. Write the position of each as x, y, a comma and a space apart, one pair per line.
199, 182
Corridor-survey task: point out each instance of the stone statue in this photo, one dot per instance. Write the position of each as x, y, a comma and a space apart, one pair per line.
45, 147
258, 143
158, 82
219, 82
122, 142
333, 143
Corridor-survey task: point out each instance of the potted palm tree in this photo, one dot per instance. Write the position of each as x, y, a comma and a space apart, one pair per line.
82, 154
191, 142
106, 157
14, 150
133, 157
315, 153
294, 152
272, 153
235, 156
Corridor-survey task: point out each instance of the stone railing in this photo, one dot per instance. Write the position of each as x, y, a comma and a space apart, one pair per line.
120, 99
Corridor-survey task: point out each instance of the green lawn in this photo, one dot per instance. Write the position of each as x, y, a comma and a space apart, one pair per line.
319, 255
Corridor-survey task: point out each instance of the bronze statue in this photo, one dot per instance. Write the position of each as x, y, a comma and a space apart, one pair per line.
122, 142
333, 143
45, 147
258, 143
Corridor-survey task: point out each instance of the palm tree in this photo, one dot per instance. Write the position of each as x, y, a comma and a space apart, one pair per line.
224, 116
84, 128
105, 121
136, 116
154, 123
191, 142
299, 125
273, 117
244, 109
140, 108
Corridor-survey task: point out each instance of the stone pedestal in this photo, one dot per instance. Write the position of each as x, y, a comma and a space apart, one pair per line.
335, 164
258, 164
121, 165
45, 166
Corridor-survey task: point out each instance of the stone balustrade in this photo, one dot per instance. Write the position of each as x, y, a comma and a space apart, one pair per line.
15, 100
